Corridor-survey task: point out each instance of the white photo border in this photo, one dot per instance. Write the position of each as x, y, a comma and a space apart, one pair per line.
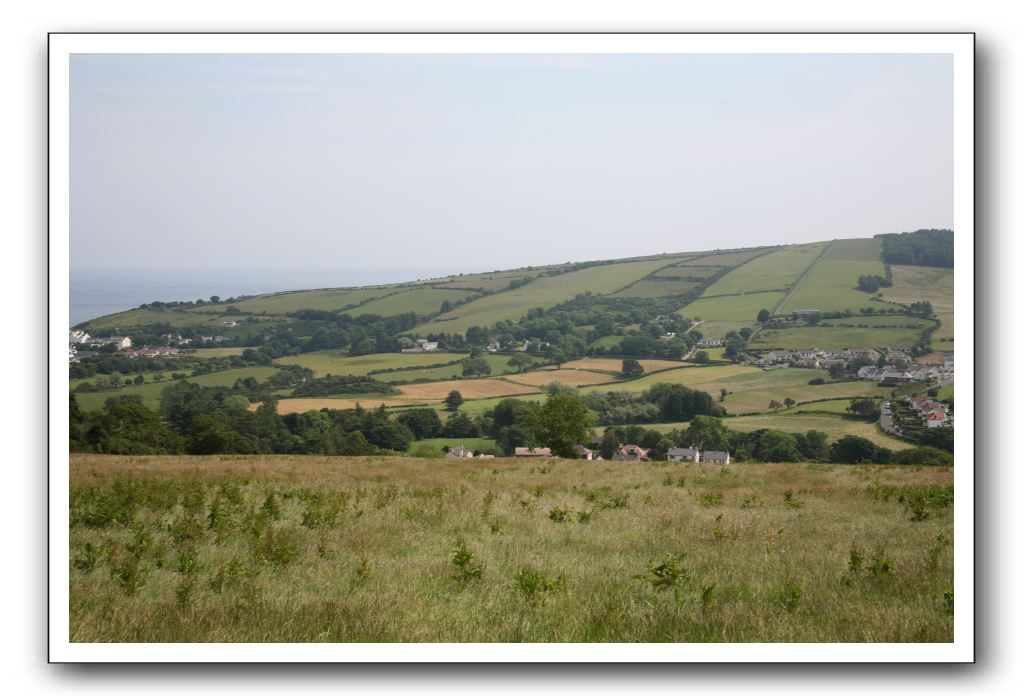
63, 45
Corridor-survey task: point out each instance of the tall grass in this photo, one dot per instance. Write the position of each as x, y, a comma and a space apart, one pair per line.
371, 549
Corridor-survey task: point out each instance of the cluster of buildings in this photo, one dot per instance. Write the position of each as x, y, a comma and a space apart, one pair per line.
462, 452
943, 373
693, 454
710, 343
422, 346
79, 337
932, 413
625, 453
817, 358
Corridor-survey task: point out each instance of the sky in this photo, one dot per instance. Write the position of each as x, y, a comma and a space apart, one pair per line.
476, 162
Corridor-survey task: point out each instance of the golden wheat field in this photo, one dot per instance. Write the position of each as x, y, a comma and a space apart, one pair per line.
249, 548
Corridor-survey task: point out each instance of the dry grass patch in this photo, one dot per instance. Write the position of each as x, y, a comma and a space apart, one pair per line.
468, 388
613, 365
285, 406
572, 378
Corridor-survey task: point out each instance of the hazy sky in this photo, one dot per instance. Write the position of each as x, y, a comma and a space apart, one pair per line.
478, 162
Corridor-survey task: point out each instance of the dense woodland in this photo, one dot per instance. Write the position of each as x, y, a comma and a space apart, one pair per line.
920, 248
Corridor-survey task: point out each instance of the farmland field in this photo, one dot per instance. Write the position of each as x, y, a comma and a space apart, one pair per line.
319, 549
775, 271
326, 300
725, 259
542, 292
217, 352
150, 392
658, 288
737, 308
831, 283
418, 300
102, 326
571, 378
468, 388
338, 363
824, 337
285, 406
935, 285
434, 446
612, 365
498, 366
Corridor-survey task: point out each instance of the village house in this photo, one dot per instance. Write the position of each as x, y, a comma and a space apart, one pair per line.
422, 346
532, 451
77, 336
494, 346
230, 324
710, 457
119, 341
709, 343
894, 378
868, 353
669, 336
775, 356
460, 452
683, 454
484, 456
584, 452
629, 453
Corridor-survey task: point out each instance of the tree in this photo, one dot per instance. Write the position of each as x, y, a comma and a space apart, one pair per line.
763, 315
215, 299
775, 446
836, 372
556, 355
724, 393
423, 422
864, 408
561, 423
610, 443
853, 450
789, 402
813, 445
701, 357
631, 368
475, 335
475, 367
454, 400
520, 361
774, 405
745, 332
707, 432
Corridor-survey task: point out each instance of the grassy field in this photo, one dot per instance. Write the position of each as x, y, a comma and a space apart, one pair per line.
615, 365
326, 300
301, 405
337, 362
498, 366
935, 285
434, 447
732, 308
831, 283
111, 323
725, 259
217, 352
571, 378
775, 271
543, 292
750, 389
836, 337
150, 392
658, 288
418, 300
468, 388
303, 549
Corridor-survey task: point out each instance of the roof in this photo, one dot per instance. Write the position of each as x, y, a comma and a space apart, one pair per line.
715, 455
673, 451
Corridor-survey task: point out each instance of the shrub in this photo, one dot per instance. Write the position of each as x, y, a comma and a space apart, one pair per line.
666, 574
558, 514
711, 499
789, 596
468, 568
277, 547
534, 583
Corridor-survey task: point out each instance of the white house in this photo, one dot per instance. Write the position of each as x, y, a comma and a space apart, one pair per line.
422, 346
230, 324
710, 343
460, 452
584, 452
683, 454
715, 457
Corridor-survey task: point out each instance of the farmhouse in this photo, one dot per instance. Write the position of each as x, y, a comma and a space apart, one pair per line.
629, 453
584, 452
532, 451
710, 343
775, 356
460, 452
230, 323
494, 346
715, 457
422, 346
119, 341
683, 454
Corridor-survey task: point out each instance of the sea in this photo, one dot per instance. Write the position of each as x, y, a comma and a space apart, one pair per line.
97, 292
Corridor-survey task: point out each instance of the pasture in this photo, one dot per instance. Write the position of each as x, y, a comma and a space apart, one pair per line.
468, 388
301, 405
615, 365
724, 259
935, 285
542, 292
834, 337
831, 284
418, 300
434, 446
319, 549
732, 308
112, 323
777, 270
570, 378
325, 300
150, 391
658, 288
337, 362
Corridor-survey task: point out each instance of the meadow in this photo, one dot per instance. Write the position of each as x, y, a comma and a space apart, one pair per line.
542, 292
775, 271
935, 285
406, 366
835, 337
325, 300
830, 285
732, 308
150, 391
316, 549
418, 300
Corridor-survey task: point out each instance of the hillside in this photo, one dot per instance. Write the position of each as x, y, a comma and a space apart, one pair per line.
515, 333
